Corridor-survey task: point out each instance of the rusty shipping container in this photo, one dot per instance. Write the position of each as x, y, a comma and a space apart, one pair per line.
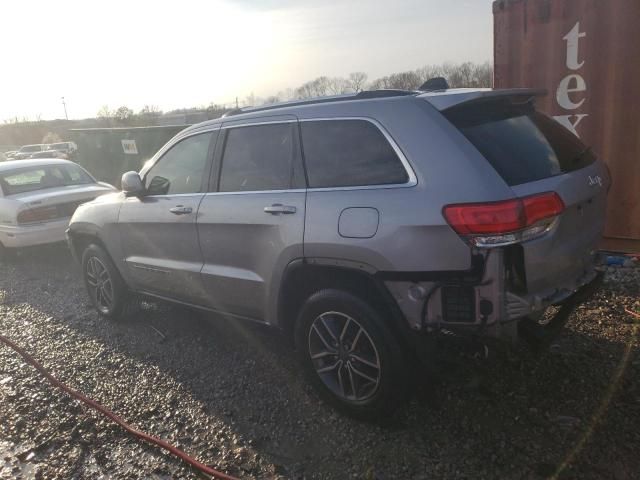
586, 54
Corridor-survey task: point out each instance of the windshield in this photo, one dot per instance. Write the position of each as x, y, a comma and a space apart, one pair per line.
31, 148
58, 146
522, 144
39, 178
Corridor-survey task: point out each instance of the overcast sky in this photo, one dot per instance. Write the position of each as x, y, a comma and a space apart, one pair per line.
187, 53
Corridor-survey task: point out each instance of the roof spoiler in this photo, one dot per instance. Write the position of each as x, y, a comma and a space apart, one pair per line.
444, 100
435, 83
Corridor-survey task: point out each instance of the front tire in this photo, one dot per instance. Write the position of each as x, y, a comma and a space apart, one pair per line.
350, 356
106, 289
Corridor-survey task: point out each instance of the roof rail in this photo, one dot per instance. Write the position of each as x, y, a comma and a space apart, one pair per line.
385, 92
365, 94
229, 113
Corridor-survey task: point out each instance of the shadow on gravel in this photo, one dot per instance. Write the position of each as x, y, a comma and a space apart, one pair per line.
507, 414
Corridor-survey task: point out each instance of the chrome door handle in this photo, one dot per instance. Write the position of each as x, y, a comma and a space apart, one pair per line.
180, 210
278, 208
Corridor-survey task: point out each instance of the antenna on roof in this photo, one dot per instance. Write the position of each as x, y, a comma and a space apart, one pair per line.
436, 83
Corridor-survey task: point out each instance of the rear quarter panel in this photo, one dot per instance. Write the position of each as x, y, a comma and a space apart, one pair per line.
412, 234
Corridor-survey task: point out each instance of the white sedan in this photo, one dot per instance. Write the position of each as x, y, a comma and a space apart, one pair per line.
38, 197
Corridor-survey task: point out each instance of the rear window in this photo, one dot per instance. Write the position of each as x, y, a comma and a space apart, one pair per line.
522, 144
38, 178
349, 153
31, 148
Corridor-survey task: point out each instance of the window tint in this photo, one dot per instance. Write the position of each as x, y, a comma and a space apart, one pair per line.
182, 168
341, 153
523, 145
38, 178
261, 157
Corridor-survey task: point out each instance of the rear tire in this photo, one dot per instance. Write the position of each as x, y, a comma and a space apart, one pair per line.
105, 286
353, 360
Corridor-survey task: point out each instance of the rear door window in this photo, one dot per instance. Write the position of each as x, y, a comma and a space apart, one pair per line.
522, 144
349, 153
261, 157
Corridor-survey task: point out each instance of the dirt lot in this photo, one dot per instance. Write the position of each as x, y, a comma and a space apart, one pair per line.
231, 395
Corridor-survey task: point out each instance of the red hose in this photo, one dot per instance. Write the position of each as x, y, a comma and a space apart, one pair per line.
108, 413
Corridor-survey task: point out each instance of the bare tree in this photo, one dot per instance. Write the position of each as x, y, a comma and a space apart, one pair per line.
484, 75
315, 88
124, 114
357, 81
430, 71
150, 111
338, 86
304, 91
410, 80
105, 112
461, 75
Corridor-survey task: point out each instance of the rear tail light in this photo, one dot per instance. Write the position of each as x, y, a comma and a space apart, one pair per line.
503, 223
40, 214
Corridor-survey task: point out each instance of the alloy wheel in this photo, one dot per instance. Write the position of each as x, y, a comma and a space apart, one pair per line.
100, 284
344, 356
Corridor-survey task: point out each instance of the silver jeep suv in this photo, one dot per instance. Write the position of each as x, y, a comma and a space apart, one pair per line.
359, 225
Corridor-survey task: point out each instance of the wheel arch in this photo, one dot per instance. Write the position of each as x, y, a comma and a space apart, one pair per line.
84, 235
302, 279
81, 237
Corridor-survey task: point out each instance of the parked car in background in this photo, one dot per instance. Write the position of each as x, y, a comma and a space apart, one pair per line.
49, 154
27, 150
38, 197
9, 155
67, 149
360, 225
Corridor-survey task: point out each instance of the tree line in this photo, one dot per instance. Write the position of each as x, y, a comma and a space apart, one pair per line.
468, 74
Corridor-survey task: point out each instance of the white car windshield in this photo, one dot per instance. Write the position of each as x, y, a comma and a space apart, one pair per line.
39, 178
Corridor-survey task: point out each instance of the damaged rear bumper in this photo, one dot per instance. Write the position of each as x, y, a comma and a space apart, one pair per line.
539, 335
483, 300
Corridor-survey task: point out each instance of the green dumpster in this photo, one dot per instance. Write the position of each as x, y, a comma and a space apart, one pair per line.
109, 152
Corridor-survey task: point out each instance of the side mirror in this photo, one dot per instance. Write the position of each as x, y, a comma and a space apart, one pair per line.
132, 183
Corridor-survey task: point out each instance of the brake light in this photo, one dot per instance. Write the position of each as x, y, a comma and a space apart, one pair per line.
40, 214
479, 218
540, 207
505, 222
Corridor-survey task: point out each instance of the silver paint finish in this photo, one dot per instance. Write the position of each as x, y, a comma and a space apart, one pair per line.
230, 254
360, 222
245, 249
161, 249
131, 183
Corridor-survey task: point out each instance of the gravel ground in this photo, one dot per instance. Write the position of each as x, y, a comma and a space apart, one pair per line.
231, 395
